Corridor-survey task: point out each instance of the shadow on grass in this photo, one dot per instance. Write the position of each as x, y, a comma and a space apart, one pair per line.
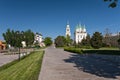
95, 65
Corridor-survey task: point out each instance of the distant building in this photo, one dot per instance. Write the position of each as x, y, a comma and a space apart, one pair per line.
38, 39
68, 33
2, 46
80, 33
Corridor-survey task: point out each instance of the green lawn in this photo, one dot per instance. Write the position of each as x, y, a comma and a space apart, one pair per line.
26, 69
109, 48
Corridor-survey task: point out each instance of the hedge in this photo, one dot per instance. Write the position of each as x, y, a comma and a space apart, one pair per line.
92, 51
74, 50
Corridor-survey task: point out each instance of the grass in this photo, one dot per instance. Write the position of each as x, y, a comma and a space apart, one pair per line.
26, 69
109, 48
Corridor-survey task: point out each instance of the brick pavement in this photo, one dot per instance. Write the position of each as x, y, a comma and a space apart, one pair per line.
7, 58
60, 65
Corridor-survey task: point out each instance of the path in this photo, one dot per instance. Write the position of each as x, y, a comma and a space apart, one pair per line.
60, 65
7, 58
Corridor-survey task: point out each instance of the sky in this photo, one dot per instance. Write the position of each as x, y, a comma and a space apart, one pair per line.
49, 17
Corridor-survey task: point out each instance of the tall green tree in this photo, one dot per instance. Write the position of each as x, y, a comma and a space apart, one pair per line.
68, 41
86, 42
96, 40
60, 41
8, 36
14, 38
48, 41
28, 37
119, 42
11, 37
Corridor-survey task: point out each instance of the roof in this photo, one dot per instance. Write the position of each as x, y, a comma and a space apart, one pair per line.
79, 26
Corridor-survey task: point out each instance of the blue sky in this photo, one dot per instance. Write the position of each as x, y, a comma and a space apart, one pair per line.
49, 17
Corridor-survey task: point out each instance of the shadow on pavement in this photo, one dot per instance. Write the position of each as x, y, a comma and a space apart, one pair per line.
93, 65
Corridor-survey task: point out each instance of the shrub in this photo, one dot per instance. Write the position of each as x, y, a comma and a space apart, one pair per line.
105, 52
74, 50
92, 51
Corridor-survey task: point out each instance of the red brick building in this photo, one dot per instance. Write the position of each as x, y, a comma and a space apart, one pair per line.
2, 46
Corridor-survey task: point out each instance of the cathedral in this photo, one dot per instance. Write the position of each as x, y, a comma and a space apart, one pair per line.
79, 34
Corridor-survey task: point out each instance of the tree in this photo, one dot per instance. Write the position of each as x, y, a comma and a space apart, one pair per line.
48, 41
28, 37
8, 36
119, 42
60, 41
86, 42
68, 41
96, 40
113, 3
14, 38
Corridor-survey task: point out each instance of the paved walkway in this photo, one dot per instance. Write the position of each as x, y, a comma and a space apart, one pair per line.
7, 58
60, 65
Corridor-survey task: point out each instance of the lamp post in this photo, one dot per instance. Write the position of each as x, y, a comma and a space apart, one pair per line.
19, 52
19, 36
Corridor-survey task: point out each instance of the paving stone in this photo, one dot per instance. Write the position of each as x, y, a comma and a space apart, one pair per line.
61, 65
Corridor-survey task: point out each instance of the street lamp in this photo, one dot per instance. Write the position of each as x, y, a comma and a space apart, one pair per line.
19, 36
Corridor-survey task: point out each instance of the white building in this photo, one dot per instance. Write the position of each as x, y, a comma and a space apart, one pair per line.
68, 33
38, 38
80, 33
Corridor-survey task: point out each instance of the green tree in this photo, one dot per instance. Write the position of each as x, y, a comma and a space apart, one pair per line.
86, 42
14, 38
48, 41
68, 41
8, 37
119, 42
60, 41
96, 40
28, 37
17, 39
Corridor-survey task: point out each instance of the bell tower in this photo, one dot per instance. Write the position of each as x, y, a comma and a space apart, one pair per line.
68, 33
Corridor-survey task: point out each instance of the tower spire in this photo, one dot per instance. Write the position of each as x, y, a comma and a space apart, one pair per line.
79, 24
68, 29
67, 22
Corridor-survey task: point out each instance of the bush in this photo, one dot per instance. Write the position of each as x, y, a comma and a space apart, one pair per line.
105, 52
92, 51
86, 47
74, 50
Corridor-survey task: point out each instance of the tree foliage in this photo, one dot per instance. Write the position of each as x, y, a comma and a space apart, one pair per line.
96, 40
86, 42
28, 37
60, 41
14, 38
68, 41
113, 3
119, 41
48, 41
